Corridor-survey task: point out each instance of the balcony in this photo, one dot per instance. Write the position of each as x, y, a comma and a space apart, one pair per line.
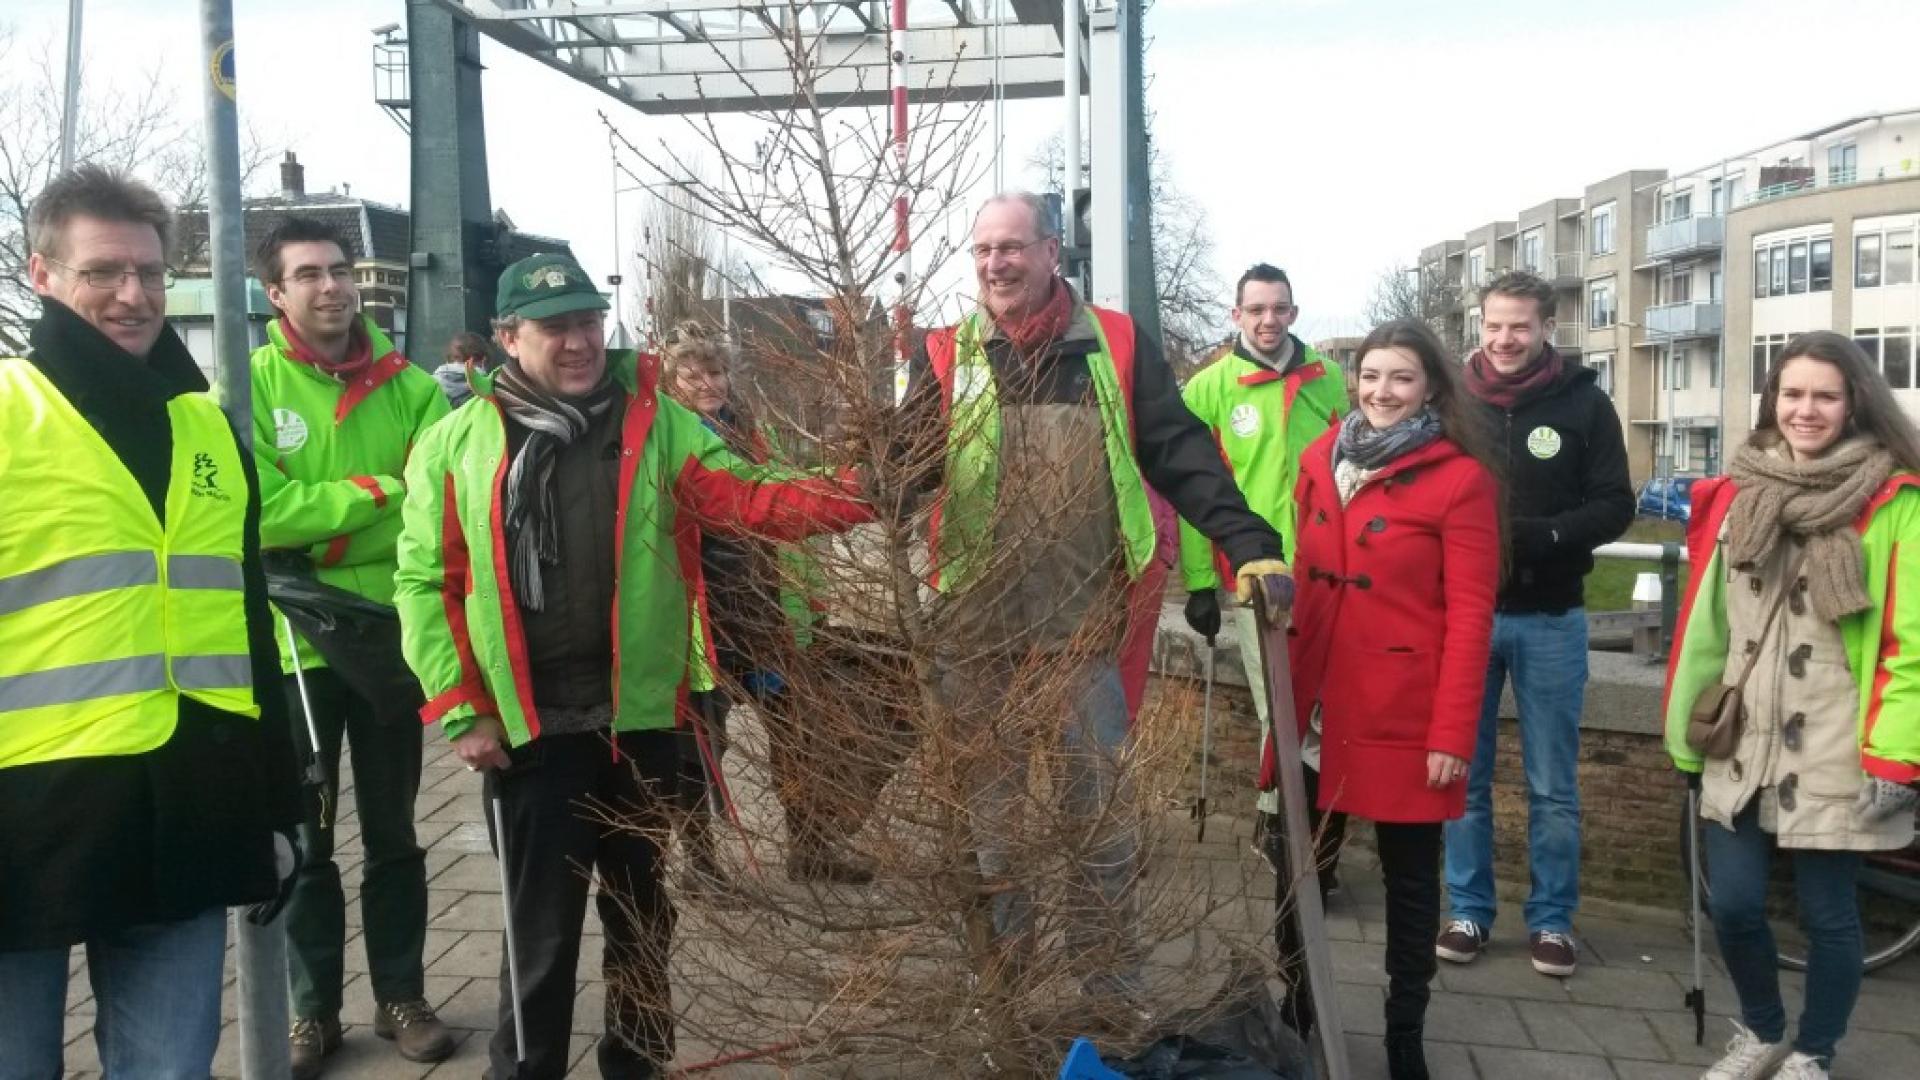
1687, 236
1564, 269
1569, 337
1677, 322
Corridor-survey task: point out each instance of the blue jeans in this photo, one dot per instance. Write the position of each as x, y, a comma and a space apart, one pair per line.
156, 991
1100, 906
1547, 657
1737, 862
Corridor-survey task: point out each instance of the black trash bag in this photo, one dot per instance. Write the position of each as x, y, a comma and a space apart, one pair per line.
1239, 1035
357, 637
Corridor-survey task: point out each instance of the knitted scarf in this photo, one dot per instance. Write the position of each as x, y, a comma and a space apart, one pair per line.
1043, 325
354, 364
1372, 448
1815, 500
531, 521
1503, 390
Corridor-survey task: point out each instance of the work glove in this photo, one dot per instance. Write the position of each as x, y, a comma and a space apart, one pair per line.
1270, 581
286, 866
1883, 800
1203, 613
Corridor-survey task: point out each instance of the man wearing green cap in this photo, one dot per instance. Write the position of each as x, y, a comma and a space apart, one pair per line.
336, 411
571, 489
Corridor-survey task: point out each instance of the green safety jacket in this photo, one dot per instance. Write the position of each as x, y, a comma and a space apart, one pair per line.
962, 525
331, 456
1882, 642
108, 617
1263, 422
460, 625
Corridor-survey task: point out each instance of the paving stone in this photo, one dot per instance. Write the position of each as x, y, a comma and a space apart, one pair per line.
1367, 1055
475, 956
1501, 1063
1884, 1007
1482, 1021
470, 873
1552, 1024
1870, 1055
1622, 987
1358, 962
466, 911
1501, 975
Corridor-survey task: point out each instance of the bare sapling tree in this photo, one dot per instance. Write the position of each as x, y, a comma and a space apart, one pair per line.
933, 865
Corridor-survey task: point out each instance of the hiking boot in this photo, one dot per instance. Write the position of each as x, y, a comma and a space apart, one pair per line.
1748, 1058
1406, 1057
1553, 952
1801, 1066
1461, 941
309, 1043
416, 1032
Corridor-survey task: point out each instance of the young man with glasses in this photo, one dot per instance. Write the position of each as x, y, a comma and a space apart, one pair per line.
145, 762
336, 411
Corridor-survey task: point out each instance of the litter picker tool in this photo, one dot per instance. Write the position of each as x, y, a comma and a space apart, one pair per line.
316, 773
1308, 914
506, 924
1206, 744
1697, 994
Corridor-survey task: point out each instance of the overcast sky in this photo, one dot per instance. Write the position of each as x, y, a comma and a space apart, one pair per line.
1333, 137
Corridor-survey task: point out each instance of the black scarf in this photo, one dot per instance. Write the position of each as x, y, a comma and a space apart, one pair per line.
1371, 448
531, 521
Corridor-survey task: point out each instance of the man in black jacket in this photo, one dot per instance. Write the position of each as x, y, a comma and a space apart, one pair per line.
1567, 494
145, 786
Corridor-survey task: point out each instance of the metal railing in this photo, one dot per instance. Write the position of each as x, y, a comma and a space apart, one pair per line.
1569, 336
1687, 319
1671, 556
1702, 232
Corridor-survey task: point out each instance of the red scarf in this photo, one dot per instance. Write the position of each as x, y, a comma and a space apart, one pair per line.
1503, 390
355, 364
1043, 325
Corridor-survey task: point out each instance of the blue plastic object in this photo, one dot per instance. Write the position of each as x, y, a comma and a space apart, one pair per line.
1083, 1063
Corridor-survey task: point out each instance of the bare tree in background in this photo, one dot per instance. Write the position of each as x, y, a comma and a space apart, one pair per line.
1402, 292
901, 704
132, 126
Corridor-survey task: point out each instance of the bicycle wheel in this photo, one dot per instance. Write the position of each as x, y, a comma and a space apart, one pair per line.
1889, 902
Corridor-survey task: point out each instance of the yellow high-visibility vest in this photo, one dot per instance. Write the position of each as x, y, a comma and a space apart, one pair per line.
107, 618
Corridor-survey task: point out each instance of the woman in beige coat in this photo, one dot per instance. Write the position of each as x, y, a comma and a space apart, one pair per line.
1805, 560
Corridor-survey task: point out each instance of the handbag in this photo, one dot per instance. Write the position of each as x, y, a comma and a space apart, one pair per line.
1719, 714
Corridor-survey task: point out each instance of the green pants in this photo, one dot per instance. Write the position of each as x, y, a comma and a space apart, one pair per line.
384, 741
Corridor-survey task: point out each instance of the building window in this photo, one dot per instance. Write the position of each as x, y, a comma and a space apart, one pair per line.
1866, 261
1821, 258
1679, 369
1759, 273
1676, 285
1473, 326
1797, 266
1532, 247
1477, 267
1843, 163
1896, 358
1600, 230
1766, 350
1600, 304
1677, 205
1777, 285
1713, 366
1603, 364
1898, 268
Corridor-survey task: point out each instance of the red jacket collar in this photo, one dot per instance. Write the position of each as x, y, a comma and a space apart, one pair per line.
1318, 458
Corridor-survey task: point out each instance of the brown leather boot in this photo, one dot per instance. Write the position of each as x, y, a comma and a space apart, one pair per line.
416, 1032
309, 1043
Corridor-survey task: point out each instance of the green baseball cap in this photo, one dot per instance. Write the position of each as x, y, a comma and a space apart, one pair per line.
541, 286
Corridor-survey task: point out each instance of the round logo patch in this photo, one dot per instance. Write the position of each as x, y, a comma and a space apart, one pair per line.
1245, 420
289, 431
1543, 442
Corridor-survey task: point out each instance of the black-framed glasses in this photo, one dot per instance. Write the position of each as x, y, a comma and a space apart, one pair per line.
109, 278
1006, 249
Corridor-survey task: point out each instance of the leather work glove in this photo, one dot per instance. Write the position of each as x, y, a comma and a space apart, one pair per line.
1881, 800
1203, 613
286, 865
1271, 581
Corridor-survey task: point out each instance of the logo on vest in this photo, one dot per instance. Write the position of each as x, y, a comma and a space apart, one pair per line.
1244, 420
289, 431
206, 479
1543, 442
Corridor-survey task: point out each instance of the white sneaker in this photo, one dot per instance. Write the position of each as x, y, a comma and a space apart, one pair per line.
1750, 1059
1802, 1067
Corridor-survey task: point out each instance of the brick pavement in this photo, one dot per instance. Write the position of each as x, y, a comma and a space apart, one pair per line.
1618, 1018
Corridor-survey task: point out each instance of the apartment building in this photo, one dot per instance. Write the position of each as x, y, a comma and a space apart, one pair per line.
1680, 288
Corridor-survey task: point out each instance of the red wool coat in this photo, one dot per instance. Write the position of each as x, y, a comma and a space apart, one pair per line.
1393, 624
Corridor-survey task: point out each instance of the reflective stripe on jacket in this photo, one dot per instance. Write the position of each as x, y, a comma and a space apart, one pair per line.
107, 618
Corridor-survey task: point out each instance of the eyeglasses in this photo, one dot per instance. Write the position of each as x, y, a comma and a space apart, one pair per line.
313, 275
109, 278
1006, 250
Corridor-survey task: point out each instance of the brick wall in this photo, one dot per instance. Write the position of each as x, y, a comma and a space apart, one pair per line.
1631, 802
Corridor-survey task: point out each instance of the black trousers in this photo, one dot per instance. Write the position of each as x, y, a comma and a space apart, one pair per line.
556, 800
1410, 868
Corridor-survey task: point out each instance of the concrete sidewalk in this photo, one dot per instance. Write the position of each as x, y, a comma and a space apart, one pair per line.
1620, 1016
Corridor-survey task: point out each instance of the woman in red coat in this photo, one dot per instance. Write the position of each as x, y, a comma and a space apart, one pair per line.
1398, 560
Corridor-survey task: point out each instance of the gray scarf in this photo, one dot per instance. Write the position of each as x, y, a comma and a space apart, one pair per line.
1368, 447
1815, 500
531, 523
